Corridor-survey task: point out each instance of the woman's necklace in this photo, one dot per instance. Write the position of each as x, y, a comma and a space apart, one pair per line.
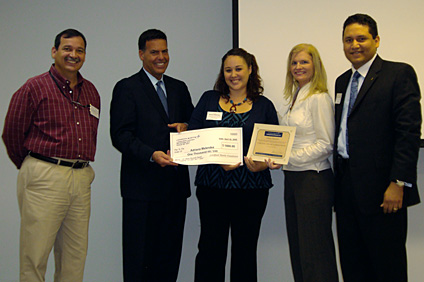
233, 107
294, 98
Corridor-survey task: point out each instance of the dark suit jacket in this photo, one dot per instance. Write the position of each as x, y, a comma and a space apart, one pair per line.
138, 127
384, 132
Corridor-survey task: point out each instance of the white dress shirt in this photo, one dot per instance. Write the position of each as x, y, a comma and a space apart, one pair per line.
154, 81
313, 118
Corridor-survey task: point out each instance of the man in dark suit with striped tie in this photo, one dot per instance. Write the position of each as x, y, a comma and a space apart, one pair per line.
145, 108
378, 123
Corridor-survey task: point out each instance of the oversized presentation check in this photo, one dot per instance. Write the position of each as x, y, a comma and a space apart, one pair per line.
271, 142
218, 145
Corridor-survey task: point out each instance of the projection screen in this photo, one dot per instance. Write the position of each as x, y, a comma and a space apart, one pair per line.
270, 28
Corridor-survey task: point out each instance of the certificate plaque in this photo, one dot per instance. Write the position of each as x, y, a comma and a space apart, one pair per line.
271, 142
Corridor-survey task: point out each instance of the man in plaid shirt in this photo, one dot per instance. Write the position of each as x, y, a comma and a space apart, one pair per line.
50, 134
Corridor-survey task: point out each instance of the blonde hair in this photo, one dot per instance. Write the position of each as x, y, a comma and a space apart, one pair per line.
319, 78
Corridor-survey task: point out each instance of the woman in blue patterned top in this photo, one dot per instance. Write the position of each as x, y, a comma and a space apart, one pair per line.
232, 196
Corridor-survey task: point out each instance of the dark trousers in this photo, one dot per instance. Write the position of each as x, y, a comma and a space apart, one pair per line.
309, 198
372, 246
222, 210
152, 239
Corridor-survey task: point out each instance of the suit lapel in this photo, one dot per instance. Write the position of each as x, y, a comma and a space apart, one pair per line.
341, 88
369, 80
171, 93
152, 95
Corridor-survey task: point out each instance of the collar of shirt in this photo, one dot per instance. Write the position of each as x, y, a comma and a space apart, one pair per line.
63, 80
303, 92
363, 70
154, 80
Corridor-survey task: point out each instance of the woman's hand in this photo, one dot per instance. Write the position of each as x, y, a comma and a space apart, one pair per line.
272, 165
230, 167
254, 166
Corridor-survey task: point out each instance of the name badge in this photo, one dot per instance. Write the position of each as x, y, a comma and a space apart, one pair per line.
94, 112
214, 116
338, 98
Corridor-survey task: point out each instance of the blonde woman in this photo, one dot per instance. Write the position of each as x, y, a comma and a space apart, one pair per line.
308, 178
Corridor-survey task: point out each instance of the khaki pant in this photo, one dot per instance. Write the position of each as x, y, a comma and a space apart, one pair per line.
54, 202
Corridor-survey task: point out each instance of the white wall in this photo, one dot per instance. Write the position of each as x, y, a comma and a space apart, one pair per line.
270, 28
199, 33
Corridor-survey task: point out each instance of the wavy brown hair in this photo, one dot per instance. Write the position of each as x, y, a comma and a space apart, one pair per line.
254, 85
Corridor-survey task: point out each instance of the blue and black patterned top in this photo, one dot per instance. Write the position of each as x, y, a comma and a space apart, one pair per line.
215, 176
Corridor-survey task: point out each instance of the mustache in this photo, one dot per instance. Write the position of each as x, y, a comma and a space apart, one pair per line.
75, 60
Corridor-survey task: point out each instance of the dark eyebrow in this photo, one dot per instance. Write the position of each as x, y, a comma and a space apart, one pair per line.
70, 46
155, 50
238, 66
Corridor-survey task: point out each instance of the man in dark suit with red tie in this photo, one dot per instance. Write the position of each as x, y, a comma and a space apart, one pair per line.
145, 108
378, 123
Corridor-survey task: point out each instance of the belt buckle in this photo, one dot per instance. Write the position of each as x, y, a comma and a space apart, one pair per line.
78, 163
83, 164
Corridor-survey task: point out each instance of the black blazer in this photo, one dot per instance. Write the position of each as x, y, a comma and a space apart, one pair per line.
138, 127
384, 132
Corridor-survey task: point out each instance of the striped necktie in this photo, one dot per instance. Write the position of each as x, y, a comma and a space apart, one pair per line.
352, 99
162, 96
353, 91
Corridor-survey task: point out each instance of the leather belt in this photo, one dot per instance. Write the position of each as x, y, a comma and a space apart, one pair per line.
77, 164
